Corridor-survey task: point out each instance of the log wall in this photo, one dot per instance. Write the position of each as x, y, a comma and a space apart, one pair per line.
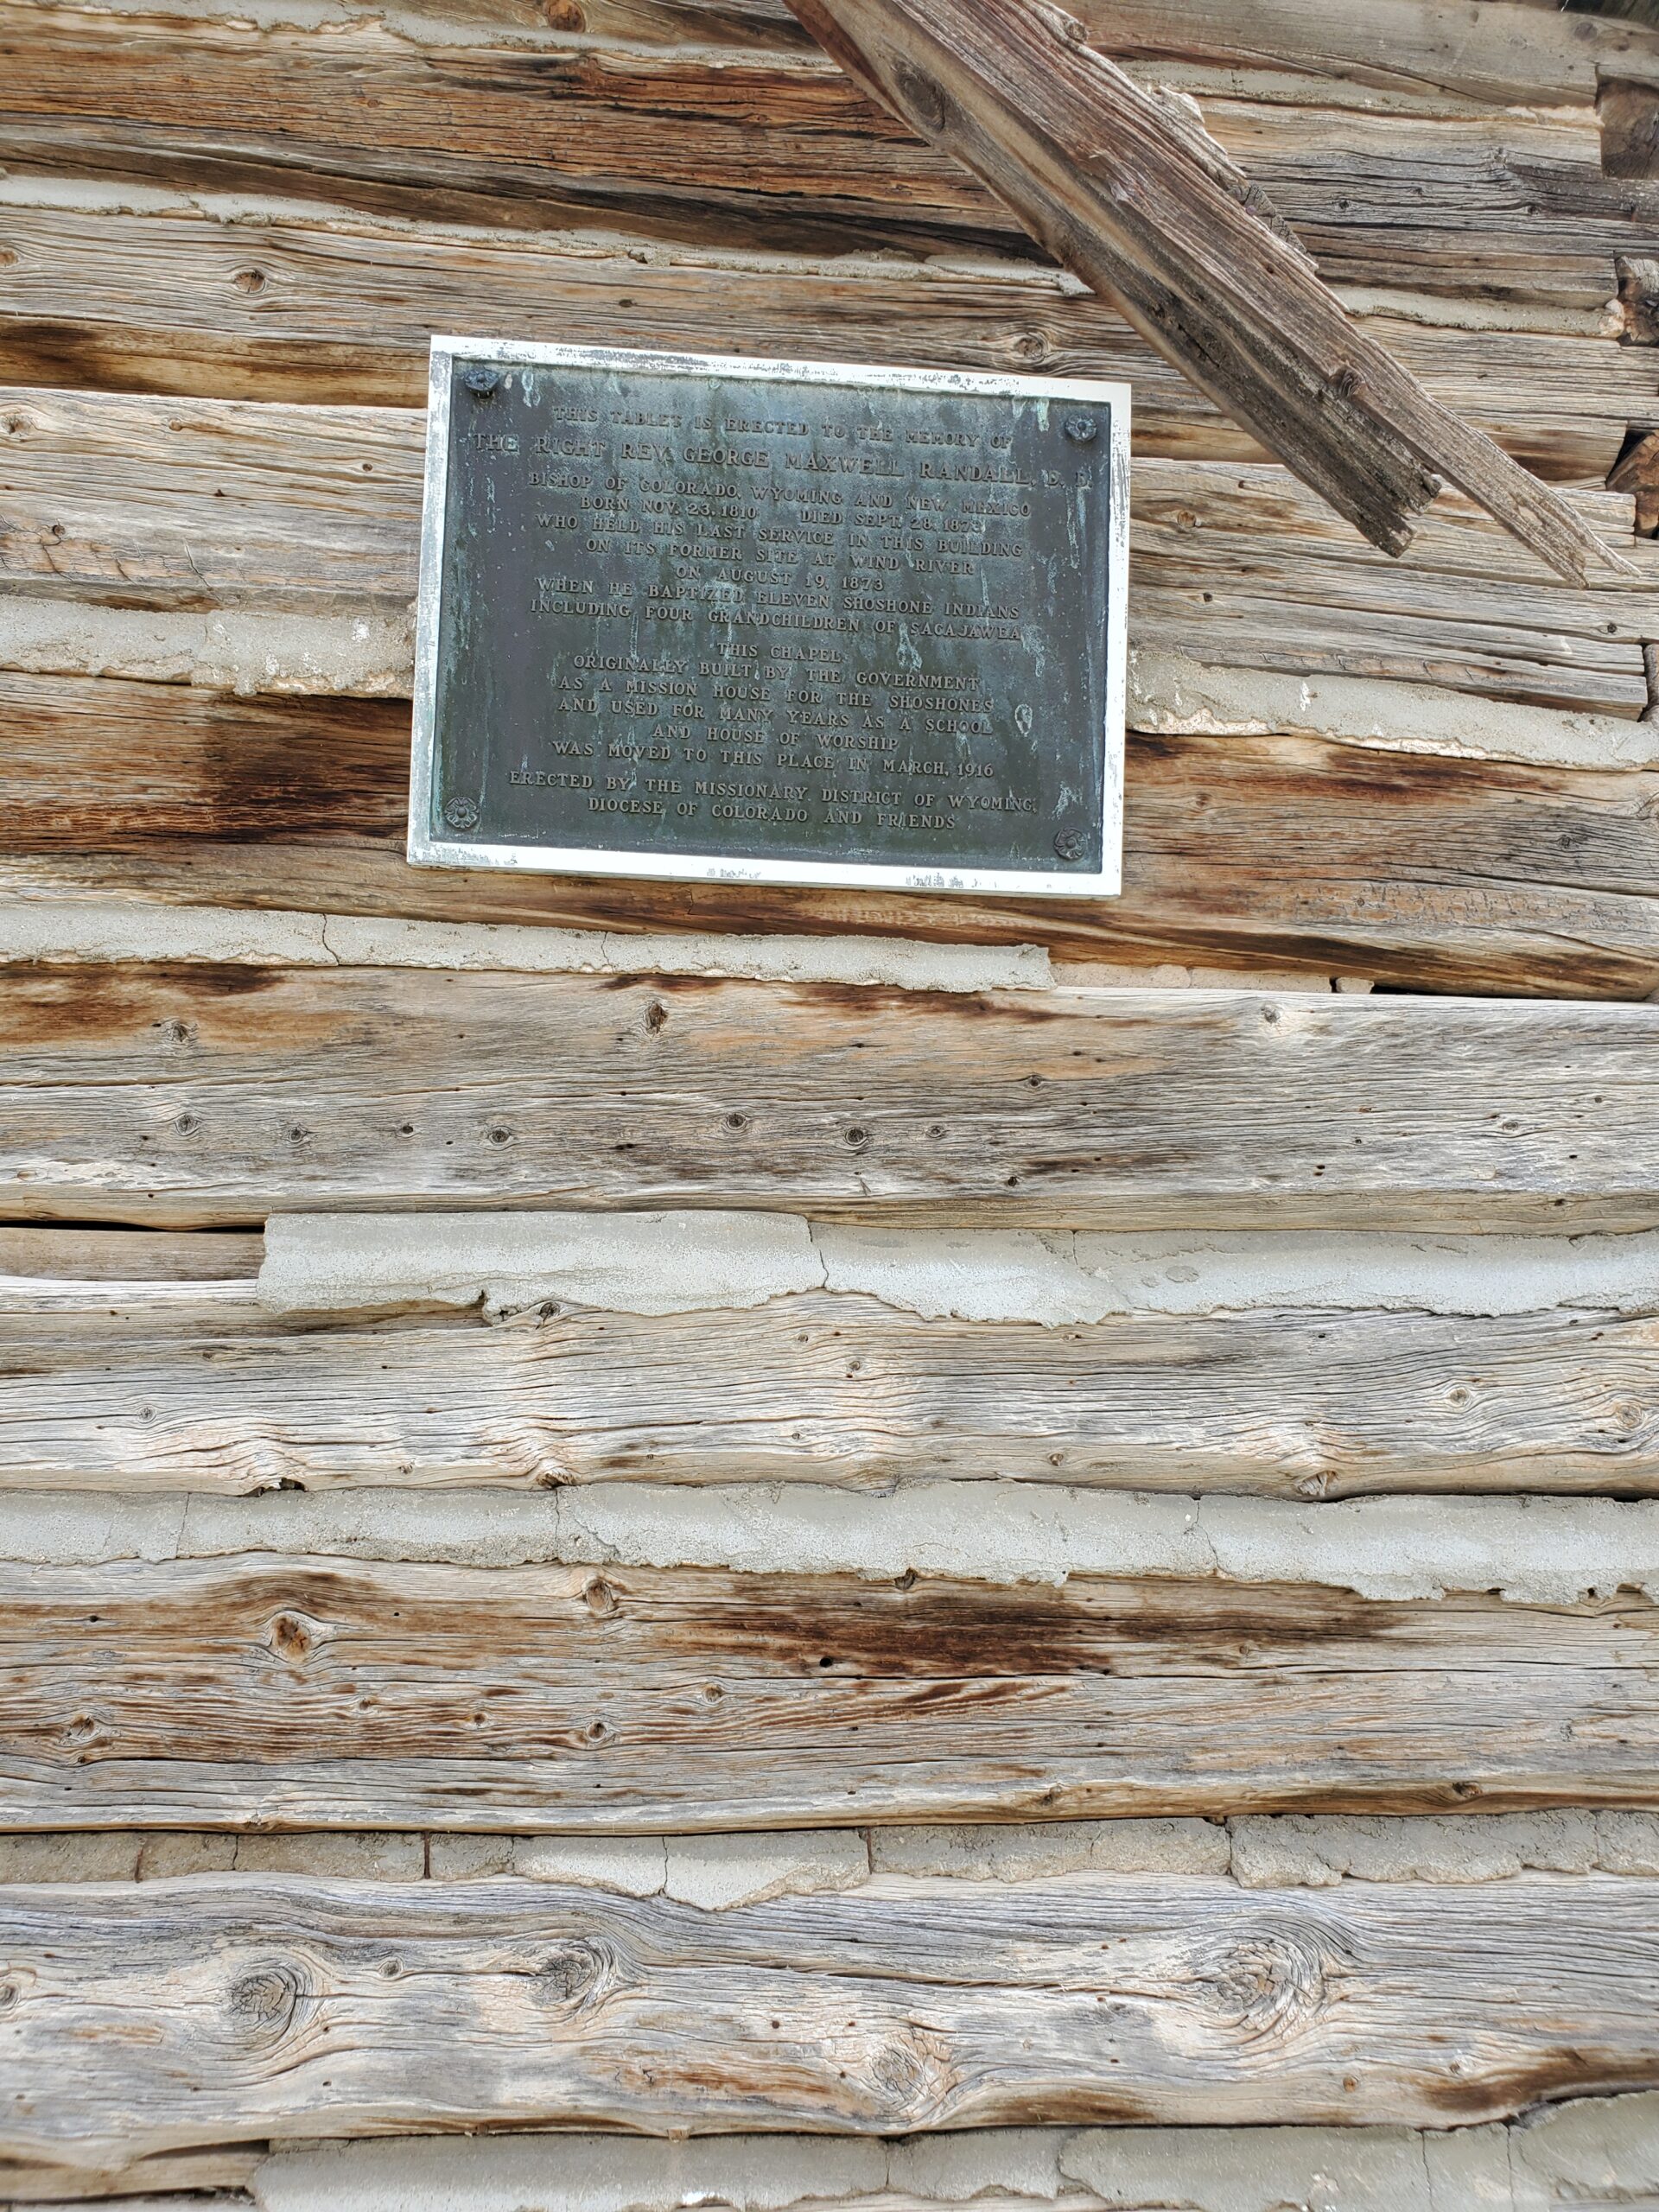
897, 1552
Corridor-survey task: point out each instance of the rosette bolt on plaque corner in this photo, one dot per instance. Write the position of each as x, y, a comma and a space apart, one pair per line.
460, 814
1072, 844
480, 381
1082, 430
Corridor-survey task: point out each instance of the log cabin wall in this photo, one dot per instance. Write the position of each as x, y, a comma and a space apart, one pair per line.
874, 1550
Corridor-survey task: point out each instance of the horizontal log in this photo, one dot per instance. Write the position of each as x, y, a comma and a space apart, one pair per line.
773, 149
190, 1097
1420, 55
209, 2011
1265, 852
1406, 57
193, 502
340, 311
1423, 57
682, 144
1514, 55
71, 1268
142, 1388
271, 1691
1437, 936
188, 500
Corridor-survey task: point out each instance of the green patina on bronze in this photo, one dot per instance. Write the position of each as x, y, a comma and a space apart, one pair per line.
841, 622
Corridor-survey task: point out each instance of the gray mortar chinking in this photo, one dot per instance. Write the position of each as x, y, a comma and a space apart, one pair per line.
687, 615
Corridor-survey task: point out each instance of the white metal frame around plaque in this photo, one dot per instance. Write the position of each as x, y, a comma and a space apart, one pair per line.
427, 851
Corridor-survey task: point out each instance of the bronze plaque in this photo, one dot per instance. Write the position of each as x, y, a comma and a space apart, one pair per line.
770, 621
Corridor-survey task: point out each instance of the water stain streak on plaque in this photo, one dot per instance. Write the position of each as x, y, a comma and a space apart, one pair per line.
693, 616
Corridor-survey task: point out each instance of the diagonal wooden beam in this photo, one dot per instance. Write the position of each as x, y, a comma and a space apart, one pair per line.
1126, 188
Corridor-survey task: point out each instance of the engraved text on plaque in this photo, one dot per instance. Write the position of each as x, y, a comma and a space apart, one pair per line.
770, 621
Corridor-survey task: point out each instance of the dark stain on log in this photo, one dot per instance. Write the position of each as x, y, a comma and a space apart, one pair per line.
350, 775
162, 761
952, 1631
1563, 2074
97, 1004
1442, 872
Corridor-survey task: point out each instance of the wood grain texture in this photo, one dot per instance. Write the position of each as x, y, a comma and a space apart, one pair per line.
679, 145
193, 503
339, 311
1630, 128
323, 1693
1127, 189
1445, 933
188, 502
113, 1384
1637, 473
1410, 57
1330, 399
768, 149
69, 1269
193, 1096
238, 2006
1462, 50
1264, 852
170, 2181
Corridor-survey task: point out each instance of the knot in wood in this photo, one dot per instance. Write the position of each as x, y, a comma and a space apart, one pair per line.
913, 2077
293, 1637
1063, 25
1270, 1982
922, 100
570, 1975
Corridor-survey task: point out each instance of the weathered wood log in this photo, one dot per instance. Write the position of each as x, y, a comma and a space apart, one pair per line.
208, 2012
140, 1386
1400, 206
1260, 334
759, 149
72, 1265
1428, 57
189, 500
199, 1095
165, 2182
178, 502
681, 146
331, 312
1451, 933
1128, 191
277, 1692
1280, 853
1416, 51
